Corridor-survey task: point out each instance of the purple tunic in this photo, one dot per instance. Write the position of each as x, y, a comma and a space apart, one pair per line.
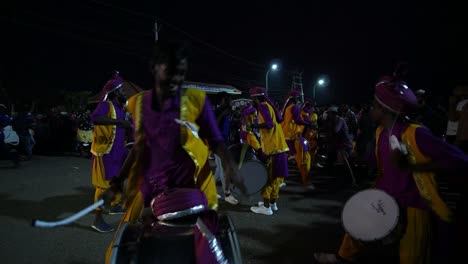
115, 158
167, 164
400, 183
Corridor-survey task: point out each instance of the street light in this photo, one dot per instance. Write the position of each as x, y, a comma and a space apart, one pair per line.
320, 82
273, 67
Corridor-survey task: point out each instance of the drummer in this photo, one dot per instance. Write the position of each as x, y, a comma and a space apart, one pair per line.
169, 152
274, 147
310, 132
407, 179
108, 145
292, 128
250, 136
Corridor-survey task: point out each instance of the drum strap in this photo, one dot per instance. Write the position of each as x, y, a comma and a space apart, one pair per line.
203, 174
242, 154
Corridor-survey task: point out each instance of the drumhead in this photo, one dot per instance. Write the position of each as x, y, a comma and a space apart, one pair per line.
370, 215
255, 177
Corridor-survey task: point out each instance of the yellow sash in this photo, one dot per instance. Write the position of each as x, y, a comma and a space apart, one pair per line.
251, 137
290, 129
273, 141
425, 181
103, 136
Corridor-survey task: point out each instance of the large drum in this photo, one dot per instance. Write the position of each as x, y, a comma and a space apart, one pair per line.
372, 216
251, 168
169, 243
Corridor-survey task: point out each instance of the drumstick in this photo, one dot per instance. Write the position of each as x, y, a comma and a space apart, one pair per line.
242, 154
68, 220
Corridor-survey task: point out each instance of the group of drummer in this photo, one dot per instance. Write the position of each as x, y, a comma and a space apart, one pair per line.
276, 136
175, 128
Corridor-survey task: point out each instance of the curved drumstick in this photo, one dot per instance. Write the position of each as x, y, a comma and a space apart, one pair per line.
68, 220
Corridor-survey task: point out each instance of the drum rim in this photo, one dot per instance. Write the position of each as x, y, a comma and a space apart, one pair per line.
118, 237
393, 227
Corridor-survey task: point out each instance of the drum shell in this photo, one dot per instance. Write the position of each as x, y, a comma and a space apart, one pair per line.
393, 236
253, 171
167, 243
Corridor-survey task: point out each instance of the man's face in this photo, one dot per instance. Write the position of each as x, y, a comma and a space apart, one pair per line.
120, 95
171, 77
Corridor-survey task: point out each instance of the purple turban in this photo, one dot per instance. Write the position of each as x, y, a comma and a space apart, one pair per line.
292, 94
260, 91
395, 95
113, 84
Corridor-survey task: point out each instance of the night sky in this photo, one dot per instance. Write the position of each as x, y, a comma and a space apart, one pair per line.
48, 46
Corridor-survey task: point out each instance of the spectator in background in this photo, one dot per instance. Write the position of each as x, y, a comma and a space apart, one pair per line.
223, 119
456, 103
339, 142
22, 124
427, 116
462, 131
7, 150
350, 119
85, 132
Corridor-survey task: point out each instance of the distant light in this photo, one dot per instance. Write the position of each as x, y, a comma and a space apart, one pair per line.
274, 66
321, 82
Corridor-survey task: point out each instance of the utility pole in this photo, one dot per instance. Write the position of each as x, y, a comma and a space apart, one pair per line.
297, 84
156, 31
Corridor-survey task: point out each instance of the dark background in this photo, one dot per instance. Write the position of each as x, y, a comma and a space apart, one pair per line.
50, 46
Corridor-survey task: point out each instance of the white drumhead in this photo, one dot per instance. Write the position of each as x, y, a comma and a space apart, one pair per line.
370, 215
255, 176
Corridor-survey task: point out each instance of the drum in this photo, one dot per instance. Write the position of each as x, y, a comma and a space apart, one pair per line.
372, 216
253, 171
169, 243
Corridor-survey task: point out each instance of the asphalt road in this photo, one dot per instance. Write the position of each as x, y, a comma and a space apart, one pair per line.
51, 188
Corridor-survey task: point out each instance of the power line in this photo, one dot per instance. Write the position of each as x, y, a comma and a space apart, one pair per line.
87, 39
144, 15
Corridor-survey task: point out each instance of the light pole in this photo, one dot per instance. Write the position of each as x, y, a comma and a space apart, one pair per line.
273, 67
320, 82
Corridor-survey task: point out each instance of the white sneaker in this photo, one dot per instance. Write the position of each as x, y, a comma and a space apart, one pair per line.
219, 196
318, 165
273, 206
310, 187
231, 199
261, 210
283, 184
291, 158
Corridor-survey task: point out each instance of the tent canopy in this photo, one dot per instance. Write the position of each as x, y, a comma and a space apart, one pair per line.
209, 88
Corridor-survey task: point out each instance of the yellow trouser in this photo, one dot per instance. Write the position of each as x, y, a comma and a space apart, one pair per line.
415, 246
303, 161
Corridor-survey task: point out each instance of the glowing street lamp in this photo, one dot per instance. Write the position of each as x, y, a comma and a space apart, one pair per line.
320, 82
273, 67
